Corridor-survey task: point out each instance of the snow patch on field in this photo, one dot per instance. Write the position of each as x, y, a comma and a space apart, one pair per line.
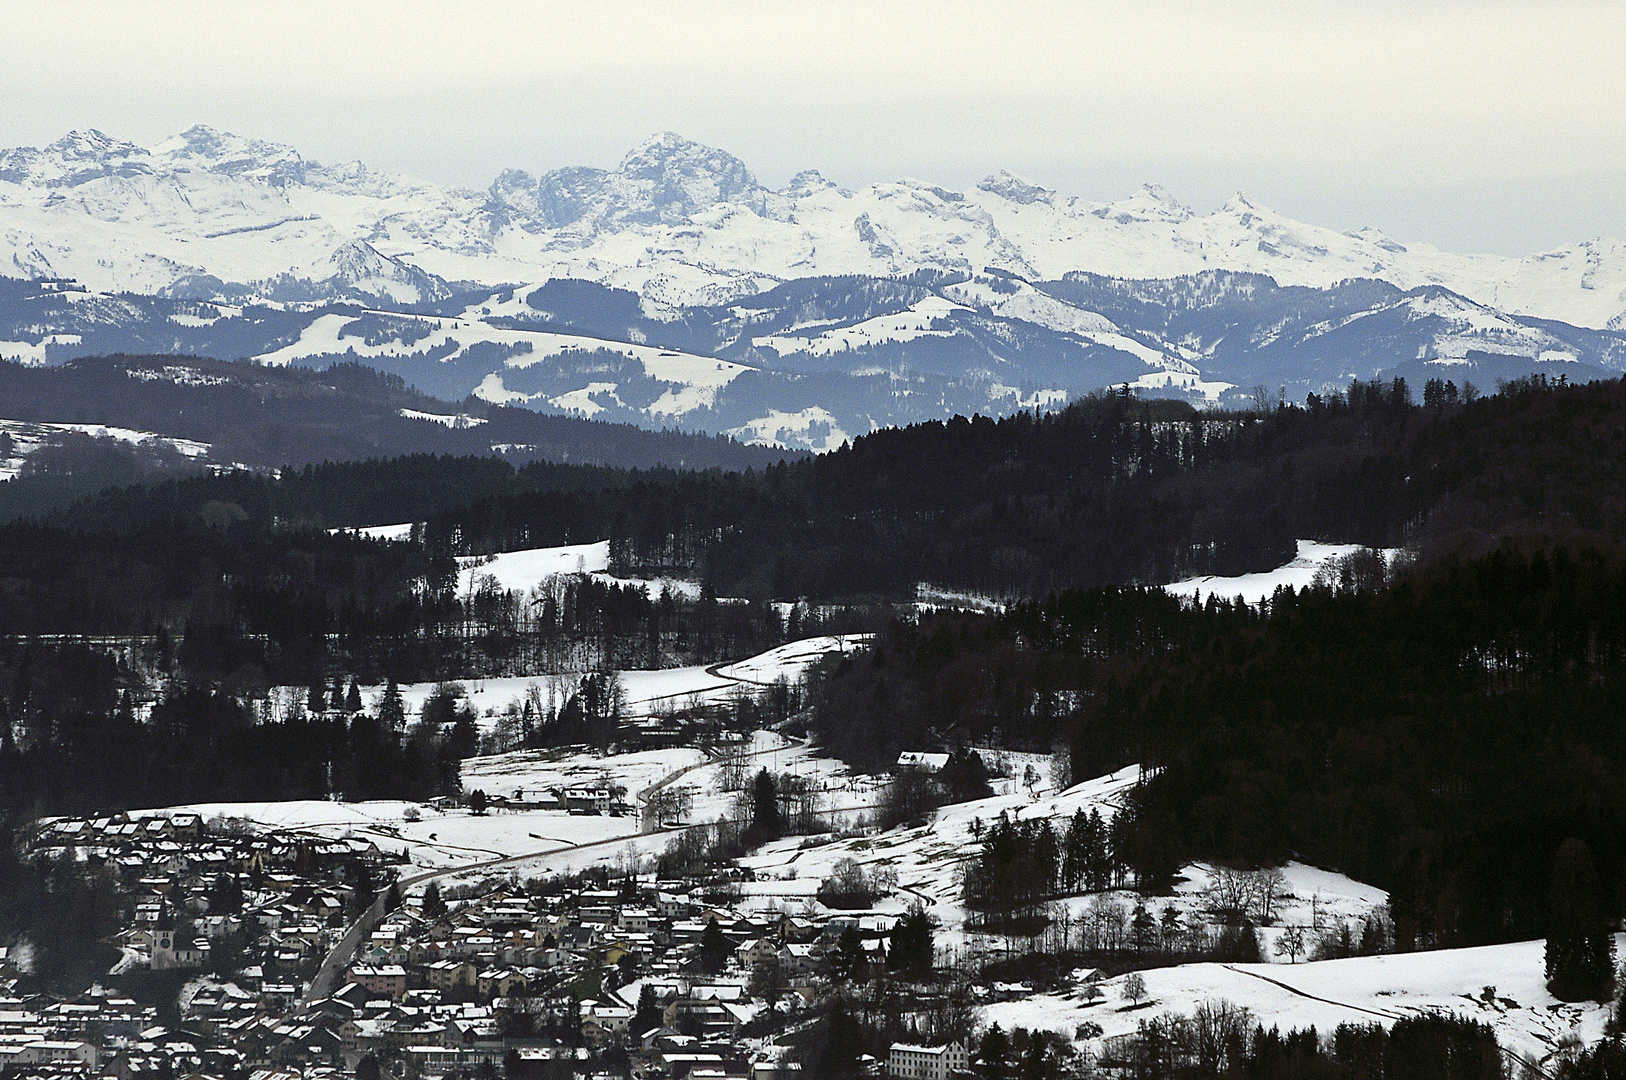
919, 321
812, 428
697, 380
522, 571
1191, 382
380, 532
452, 420
792, 660
1360, 990
27, 352
582, 401
1299, 573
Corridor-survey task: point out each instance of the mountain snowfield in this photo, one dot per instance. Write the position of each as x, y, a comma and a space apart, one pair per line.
677, 290
677, 222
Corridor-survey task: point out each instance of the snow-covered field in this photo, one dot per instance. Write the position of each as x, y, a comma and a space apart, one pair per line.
1360, 990
928, 862
791, 660
540, 841
381, 532
522, 571
439, 839
1298, 573
921, 320
647, 692
527, 772
813, 427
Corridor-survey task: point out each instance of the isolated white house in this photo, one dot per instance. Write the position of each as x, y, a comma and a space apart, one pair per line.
909, 1062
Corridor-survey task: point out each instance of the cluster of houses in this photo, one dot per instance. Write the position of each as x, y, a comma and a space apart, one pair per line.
643, 968
639, 978
286, 896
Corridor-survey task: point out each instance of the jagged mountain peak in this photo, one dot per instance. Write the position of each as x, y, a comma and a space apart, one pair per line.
808, 182
359, 268
1242, 203
686, 172
75, 158
1014, 188
91, 144
206, 148
664, 179
1152, 202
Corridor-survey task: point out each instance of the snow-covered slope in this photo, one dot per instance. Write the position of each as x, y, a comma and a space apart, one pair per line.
1500, 985
1311, 561
508, 366
206, 213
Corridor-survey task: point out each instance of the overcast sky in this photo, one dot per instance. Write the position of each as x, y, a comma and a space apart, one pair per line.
1476, 126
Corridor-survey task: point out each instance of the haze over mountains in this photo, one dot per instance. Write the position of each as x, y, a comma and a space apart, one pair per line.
796, 316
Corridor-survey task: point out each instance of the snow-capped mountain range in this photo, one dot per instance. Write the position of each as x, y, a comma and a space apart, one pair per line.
676, 288
677, 222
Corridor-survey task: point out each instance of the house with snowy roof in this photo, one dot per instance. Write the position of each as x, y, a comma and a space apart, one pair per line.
907, 1061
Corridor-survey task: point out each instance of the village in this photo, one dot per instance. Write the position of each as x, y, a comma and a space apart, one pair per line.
285, 954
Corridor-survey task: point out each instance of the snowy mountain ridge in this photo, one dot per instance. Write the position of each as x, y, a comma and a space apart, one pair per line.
209, 215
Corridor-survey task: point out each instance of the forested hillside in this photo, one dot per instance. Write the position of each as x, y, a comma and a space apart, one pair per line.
1439, 737
1110, 490
262, 416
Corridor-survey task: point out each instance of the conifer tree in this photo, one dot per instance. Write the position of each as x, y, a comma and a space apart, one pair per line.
766, 822
911, 943
992, 1062
392, 710
648, 1015
1580, 950
713, 948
